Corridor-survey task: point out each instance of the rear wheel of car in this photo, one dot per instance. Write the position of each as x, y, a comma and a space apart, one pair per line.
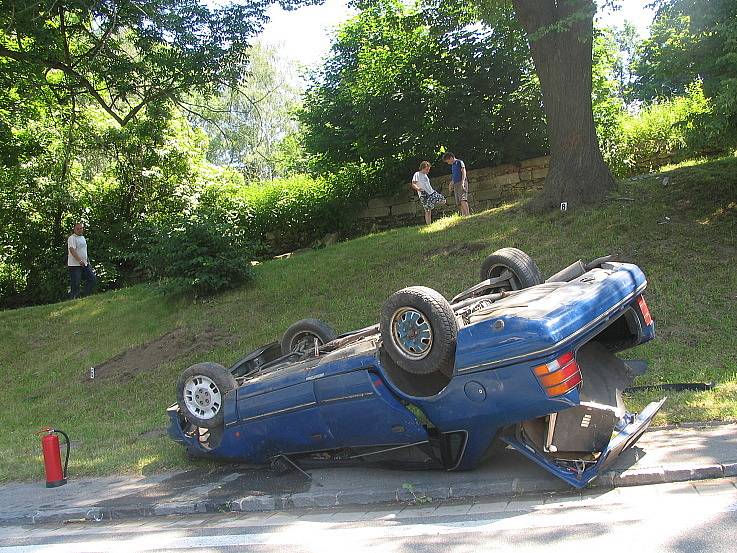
301, 336
201, 392
515, 266
419, 330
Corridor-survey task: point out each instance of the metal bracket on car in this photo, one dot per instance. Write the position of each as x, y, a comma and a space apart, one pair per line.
296, 467
488, 283
549, 447
393, 448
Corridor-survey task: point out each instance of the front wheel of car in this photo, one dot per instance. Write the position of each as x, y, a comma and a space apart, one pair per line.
419, 330
302, 335
201, 393
516, 269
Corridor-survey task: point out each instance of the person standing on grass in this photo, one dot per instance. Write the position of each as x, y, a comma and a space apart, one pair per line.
79, 263
429, 198
458, 181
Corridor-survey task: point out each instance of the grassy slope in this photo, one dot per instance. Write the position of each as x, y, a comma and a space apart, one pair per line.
690, 263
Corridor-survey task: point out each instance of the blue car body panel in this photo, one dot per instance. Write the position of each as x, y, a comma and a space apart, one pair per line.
546, 317
347, 398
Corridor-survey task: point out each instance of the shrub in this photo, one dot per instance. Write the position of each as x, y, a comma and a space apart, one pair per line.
12, 281
659, 133
204, 253
291, 213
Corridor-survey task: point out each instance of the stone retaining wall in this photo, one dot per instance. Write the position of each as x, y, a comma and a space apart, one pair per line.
488, 188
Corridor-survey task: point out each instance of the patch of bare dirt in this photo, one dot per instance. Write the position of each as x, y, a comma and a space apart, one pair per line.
456, 249
153, 434
178, 343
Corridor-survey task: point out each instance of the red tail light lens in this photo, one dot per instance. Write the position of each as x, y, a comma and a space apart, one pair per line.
560, 376
645, 310
565, 387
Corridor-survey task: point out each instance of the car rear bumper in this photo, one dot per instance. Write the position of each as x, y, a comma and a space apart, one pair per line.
183, 433
175, 430
583, 474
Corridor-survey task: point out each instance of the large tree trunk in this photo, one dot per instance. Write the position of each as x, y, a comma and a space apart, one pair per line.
562, 56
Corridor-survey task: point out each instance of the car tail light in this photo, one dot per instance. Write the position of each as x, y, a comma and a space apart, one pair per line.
645, 310
560, 376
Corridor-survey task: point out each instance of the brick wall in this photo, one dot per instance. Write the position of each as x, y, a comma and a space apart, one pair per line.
488, 188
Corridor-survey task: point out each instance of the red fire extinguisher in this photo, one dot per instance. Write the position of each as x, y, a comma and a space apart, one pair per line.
55, 476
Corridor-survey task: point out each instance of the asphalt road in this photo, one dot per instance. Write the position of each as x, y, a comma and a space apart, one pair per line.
683, 517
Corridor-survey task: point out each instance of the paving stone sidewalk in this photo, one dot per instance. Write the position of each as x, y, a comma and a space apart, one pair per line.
689, 452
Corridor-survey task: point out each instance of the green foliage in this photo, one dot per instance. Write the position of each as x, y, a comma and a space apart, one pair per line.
146, 192
94, 104
695, 40
37, 190
404, 84
607, 105
204, 254
247, 124
124, 55
148, 170
627, 40
89, 129
291, 213
659, 133
663, 64
120, 178
11, 280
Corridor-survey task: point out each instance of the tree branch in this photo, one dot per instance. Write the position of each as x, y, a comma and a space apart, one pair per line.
183, 105
248, 99
92, 52
214, 110
51, 64
89, 87
63, 29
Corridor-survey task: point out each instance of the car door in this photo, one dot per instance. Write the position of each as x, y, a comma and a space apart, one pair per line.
359, 410
280, 415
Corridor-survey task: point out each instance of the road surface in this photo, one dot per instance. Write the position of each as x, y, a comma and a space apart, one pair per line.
684, 517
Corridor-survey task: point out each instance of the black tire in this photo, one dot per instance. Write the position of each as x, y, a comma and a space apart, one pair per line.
201, 393
301, 336
524, 270
425, 312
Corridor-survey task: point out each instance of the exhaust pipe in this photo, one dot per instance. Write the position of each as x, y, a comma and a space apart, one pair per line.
578, 268
574, 270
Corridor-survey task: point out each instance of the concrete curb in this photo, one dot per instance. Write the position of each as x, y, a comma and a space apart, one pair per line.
368, 496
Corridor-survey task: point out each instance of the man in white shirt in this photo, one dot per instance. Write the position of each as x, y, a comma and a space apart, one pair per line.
78, 263
429, 198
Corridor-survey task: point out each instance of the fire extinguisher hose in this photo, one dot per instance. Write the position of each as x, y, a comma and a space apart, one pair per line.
66, 458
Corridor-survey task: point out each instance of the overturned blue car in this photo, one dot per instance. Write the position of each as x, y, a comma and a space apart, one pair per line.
513, 361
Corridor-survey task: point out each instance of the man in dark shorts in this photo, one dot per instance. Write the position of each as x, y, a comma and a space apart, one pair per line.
459, 182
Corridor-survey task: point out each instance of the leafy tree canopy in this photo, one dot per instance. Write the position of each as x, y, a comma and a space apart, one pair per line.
694, 40
402, 84
126, 54
249, 124
663, 66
